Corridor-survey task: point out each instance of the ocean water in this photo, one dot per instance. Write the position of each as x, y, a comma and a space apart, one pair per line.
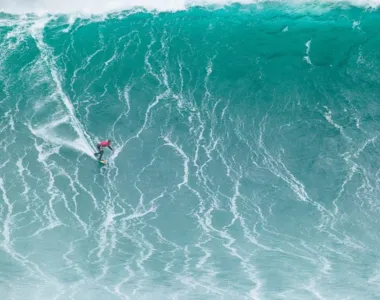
246, 150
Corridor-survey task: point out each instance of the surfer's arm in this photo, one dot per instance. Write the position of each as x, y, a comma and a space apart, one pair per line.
110, 148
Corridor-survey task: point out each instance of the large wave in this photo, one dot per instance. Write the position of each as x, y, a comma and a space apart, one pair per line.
246, 152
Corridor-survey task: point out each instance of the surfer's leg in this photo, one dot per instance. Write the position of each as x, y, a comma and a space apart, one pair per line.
99, 149
101, 154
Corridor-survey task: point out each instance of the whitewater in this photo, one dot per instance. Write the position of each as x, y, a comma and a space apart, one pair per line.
101, 7
245, 162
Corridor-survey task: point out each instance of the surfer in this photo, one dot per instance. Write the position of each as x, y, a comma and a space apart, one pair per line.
100, 148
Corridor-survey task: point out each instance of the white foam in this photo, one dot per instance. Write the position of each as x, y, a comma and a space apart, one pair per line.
307, 57
81, 143
7, 224
185, 160
95, 7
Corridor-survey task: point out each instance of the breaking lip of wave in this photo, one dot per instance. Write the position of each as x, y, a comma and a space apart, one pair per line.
98, 7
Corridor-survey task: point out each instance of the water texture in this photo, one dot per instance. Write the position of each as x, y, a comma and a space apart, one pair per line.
245, 162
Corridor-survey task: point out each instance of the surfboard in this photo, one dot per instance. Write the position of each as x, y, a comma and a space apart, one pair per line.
104, 162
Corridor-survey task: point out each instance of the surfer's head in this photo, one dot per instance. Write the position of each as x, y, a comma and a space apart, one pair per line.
109, 141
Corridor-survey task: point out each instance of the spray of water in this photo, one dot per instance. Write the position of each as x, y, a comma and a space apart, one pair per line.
48, 131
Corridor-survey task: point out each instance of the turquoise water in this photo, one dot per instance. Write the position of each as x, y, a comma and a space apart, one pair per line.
245, 162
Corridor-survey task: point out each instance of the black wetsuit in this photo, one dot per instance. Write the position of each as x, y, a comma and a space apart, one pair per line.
101, 151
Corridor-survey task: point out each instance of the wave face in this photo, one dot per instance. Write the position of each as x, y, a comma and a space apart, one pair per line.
245, 162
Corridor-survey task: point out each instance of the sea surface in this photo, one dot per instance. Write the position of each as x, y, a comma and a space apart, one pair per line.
246, 150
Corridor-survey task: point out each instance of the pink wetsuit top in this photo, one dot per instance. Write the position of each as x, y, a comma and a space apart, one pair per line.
104, 144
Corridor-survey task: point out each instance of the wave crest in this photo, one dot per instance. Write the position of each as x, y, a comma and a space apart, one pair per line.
96, 7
